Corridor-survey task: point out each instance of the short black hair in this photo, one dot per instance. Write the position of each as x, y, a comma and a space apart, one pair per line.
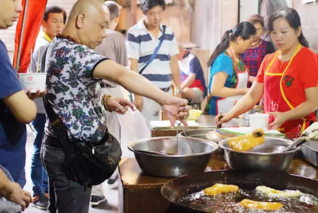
149, 4
54, 9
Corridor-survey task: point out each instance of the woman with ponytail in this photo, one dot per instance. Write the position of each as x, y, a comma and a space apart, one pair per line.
287, 78
228, 74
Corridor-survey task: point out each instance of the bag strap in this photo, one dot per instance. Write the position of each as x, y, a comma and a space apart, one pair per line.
154, 54
59, 128
44, 59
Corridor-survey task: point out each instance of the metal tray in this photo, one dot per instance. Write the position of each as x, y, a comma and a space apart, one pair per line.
309, 152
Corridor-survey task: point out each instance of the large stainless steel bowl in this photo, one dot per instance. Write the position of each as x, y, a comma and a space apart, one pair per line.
257, 160
183, 161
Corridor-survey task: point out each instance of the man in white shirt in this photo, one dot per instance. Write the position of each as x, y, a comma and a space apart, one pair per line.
142, 40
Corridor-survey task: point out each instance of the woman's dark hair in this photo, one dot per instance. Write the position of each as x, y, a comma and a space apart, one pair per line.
149, 4
54, 9
293, 19
244, 30
256, 18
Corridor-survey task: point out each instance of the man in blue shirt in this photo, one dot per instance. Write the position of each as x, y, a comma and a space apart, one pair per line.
16, 108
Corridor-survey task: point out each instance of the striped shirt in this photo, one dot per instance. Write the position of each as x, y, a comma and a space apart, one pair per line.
141, 45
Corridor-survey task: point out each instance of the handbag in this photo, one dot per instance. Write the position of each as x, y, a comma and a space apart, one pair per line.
85, 162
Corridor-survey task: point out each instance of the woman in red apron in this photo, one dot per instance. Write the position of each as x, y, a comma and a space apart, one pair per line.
228, 76
287, 78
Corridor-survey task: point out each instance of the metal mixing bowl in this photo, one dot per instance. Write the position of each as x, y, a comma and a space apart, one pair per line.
257, 160
183, 161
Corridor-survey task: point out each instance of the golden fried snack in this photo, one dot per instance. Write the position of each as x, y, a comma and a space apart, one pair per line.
277, 193
267, 206
247, 142
220, 188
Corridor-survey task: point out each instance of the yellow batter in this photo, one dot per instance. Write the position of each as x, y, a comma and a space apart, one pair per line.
267, 206
277, 193
247, 142
220, 188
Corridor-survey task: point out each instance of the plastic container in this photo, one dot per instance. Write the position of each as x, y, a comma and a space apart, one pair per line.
259, 121
33, 81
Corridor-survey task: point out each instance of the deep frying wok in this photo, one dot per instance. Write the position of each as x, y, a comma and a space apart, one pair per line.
180, 187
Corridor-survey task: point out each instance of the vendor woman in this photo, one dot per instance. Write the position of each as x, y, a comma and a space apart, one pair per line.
228, 74
287, 78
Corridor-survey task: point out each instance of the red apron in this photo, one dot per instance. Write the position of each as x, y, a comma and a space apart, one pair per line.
275, 100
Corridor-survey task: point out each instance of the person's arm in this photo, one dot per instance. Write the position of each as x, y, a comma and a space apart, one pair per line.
188, 82
174, 65
11, 91
306, 107
175, 71
249, 100
131, 81
218, 88
23, 109
13, 192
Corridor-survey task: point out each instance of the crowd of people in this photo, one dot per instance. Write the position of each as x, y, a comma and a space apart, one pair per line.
87, 62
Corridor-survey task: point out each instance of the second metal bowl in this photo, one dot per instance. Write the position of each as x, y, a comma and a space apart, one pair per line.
258, 160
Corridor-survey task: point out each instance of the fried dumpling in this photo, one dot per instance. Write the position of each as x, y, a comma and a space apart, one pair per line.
220, 188
277, 193
247, 142
266, 206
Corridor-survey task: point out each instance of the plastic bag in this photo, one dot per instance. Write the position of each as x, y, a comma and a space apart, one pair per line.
133, 126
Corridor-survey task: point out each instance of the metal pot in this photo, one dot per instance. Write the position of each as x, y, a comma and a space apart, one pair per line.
260, 161
183, 161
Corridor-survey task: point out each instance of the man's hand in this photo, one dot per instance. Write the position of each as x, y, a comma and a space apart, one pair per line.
119, 105
36, 95
138, 102
176, 108
17, 195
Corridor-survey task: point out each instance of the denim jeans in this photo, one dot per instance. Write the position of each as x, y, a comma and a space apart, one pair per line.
65, 195
38, 173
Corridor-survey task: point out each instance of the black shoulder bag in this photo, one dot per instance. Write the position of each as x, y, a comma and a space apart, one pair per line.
85, 162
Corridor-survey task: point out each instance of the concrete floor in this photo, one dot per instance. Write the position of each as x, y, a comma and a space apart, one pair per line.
111, 206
